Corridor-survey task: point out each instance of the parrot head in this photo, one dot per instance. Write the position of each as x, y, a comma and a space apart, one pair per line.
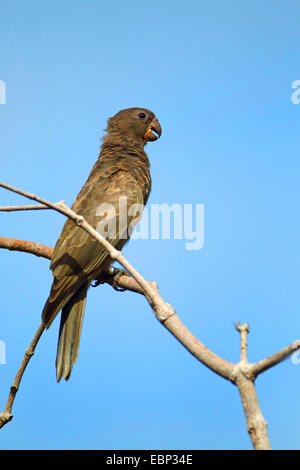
139, 124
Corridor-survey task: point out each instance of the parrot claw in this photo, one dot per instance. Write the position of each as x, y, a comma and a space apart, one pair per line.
118, 289
117, 273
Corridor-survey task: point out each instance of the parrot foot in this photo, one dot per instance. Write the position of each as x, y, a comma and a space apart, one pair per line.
97, 283
117, 273
114, 273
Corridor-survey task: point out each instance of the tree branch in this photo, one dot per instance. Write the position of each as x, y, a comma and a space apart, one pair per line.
22, 208
34, 248
256, 424
271, 361
6, 415
244, 330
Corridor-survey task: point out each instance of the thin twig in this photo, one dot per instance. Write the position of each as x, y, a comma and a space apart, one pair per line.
271, 361
6, 415
244, 330
36, 207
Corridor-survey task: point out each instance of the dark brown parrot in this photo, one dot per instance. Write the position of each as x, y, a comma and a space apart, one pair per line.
119, 183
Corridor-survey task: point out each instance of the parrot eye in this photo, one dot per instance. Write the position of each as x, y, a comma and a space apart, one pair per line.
142, 115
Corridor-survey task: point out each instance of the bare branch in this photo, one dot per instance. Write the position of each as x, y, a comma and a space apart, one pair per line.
6, 415
271, 361
256, 424
244, 330
23, 208
34, 248
28, 195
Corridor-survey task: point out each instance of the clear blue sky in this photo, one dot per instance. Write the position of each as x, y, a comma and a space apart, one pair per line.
218, 76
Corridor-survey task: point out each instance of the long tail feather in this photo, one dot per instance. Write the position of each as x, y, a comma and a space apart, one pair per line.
69, 333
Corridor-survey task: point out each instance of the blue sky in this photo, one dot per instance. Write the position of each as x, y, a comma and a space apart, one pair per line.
218, 75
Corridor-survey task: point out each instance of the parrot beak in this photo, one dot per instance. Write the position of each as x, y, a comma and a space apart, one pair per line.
153, 126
